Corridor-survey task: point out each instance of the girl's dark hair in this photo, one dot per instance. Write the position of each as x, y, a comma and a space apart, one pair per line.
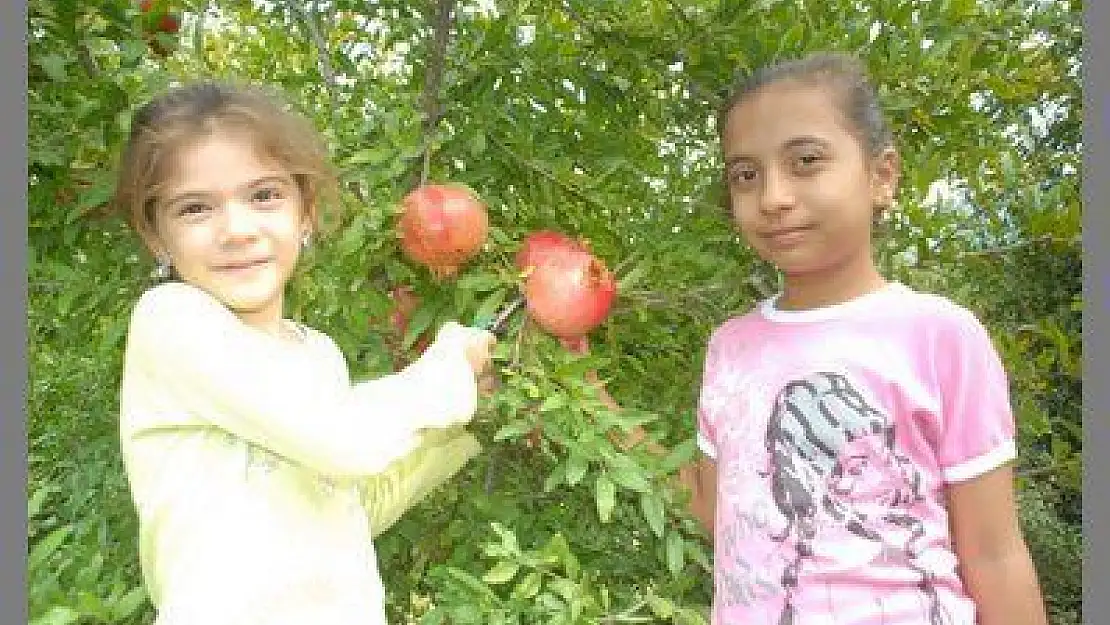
182, 116
844, 74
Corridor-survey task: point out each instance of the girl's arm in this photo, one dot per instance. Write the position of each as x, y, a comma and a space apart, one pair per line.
215, 368
701, 478
976, 449
994, 561
409, 480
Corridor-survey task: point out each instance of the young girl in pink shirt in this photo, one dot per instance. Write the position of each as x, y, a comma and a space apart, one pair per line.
858, 435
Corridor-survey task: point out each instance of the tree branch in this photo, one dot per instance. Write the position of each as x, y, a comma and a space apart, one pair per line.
308, 20
323, 60
433, 80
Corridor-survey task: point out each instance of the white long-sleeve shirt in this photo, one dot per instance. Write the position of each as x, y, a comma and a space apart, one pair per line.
248, 457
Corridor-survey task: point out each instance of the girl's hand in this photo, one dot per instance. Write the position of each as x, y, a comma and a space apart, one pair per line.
479, 350
477, 345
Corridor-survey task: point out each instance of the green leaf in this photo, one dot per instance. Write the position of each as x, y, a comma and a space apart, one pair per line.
420, 322
55, 66
46, 547
528, 587
628, 474
660, 606
501, 573
129, 604
552, 402
369, 157
605, 496
37, 499
577, 466
676, 549
488, 309
470, 582
686, 616
478, 282
513, 430
652, 507
58, 615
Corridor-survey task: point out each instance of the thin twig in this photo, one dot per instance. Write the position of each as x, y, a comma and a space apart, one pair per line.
331, 84
308, 20
433, 80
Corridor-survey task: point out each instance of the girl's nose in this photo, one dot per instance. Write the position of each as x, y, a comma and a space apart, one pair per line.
778, 194
239, 221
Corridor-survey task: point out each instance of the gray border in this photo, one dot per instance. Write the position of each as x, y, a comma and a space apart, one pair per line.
1096, 465
13, 317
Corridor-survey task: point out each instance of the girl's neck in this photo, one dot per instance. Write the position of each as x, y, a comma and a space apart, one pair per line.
271, 322
827, 288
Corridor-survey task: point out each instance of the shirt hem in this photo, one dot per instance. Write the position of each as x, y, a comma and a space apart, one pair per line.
981, 464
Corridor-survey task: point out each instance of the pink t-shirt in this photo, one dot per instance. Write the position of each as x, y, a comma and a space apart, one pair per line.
834, 433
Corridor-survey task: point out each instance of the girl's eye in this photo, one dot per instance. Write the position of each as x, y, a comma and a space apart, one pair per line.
808, 161
268, 194
742, 175
191, 209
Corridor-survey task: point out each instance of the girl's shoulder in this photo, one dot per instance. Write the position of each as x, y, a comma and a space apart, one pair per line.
176, 308
188, 310
735, 329
938, 311
896, 309
178, 299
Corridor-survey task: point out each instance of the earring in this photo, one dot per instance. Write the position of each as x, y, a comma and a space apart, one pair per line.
162, 270
305, 240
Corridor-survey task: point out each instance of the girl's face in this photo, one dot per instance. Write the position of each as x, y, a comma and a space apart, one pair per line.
801, 188
232, 223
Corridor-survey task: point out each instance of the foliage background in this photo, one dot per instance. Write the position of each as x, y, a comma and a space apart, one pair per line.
588, 116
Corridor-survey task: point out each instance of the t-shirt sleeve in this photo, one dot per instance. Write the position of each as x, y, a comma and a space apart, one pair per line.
978, 423
706, 428
209, 365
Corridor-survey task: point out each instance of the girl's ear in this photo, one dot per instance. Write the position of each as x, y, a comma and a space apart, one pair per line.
886, 170
309, 218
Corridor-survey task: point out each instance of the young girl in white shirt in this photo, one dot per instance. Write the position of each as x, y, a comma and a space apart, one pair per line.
252, 457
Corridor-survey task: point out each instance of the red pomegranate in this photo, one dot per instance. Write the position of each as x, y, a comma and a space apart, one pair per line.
405, 303
538, 245
160, 19
570, 292
169, 23
442, 227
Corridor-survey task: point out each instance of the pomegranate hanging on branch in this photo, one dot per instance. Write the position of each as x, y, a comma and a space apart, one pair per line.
442, 226
568, 290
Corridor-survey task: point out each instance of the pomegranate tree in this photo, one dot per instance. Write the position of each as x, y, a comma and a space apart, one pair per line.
569, 291
442, 226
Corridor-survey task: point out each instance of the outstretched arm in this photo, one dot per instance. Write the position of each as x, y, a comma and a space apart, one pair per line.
242, 381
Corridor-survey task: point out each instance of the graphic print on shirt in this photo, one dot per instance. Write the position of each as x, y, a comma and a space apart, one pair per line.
264, 462
833, 464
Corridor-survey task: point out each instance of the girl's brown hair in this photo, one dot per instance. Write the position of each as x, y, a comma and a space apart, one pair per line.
846, 77
180, 117
844, 74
